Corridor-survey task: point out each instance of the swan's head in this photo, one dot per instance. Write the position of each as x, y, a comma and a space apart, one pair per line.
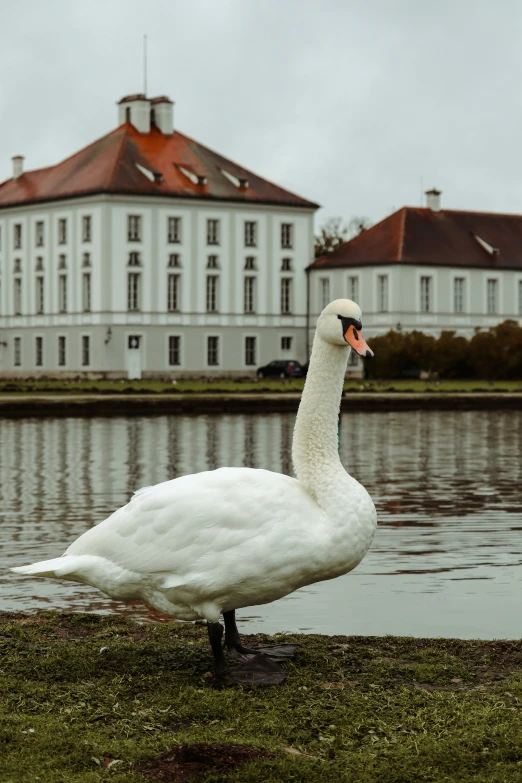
340, 324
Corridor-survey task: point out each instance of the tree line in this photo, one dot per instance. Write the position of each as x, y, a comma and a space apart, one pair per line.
492, 354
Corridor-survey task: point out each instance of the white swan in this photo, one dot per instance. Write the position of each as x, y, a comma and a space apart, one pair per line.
213, 542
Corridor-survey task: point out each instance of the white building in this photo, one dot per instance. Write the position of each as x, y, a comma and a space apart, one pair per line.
427, 269
148, 254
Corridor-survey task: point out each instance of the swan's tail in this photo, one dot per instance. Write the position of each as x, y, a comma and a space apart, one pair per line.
65, 567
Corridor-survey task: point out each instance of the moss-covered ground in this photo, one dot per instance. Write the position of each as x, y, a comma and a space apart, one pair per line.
87, 698
242, 386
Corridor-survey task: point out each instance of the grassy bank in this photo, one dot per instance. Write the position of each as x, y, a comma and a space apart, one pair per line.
89, 698
245, 386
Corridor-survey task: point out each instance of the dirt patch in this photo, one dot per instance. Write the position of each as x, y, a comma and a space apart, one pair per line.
184, 761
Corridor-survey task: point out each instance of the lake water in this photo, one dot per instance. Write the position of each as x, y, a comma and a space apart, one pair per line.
446, 559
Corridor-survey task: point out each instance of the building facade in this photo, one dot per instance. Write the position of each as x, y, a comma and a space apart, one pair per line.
426, 269
147, 254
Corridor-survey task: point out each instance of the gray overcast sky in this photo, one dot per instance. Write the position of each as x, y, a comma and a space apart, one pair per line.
346, 102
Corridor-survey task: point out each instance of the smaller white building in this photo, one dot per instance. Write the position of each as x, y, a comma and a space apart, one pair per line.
147, 253
427, 269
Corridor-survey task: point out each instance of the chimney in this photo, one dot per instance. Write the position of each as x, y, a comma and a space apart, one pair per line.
18, 166
136, 110
162, 111
433, 199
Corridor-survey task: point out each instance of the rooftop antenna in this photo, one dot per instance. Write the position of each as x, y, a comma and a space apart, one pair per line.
145, 65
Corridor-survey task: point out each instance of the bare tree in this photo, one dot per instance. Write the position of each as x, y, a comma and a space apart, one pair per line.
334, 233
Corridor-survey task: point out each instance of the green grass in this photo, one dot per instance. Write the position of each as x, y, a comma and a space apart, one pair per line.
81, 691
245, 386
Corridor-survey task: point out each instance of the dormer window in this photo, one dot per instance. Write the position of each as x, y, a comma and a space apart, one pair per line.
250, 263
286, 265
127, 114
174, 260
212, 262
62, 231
134, 259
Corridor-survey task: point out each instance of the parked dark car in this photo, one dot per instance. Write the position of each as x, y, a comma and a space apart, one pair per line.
282, 369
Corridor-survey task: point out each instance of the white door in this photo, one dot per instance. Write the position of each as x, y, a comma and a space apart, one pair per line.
134, 358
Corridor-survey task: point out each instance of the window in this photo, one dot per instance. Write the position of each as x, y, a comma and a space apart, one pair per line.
174, 260
492, 303
250, 351
17, 347
62, 293
174, 350
250, 295
39, 352
212, 262
287, 235
382, 293
173, 286
86, 350
39, 264
134, 228
353, 289
325, 292
520, 297
39, 295
250, 233
286, 265
353, 359
86, 228
17, 237
62, 356
86, 260
127, 114
458, 295
286, 295
425, 294
39, 233
133, 291
174, 229
17, 266
212, 232
286, 343
250, 263
213, 351
62, 231
86, 292
212, 293
62, 261
134, 259
17, 296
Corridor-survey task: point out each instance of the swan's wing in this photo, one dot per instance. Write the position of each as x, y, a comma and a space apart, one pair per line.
206, 522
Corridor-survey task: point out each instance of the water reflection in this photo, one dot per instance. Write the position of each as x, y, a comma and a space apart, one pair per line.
446, 559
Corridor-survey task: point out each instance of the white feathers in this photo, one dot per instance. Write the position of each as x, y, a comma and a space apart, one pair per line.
224, 539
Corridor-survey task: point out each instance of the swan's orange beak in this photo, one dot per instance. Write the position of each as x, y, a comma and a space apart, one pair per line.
355, 339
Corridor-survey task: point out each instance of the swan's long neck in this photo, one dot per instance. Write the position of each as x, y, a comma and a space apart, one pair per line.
315, 448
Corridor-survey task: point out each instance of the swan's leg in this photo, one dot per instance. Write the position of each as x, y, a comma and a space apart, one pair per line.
232, 638
215, 634
278, 652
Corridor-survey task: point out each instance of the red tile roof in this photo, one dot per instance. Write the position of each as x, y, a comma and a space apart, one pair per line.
414, 235
109, 166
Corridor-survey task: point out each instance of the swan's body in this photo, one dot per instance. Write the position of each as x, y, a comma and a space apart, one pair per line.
216, 541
